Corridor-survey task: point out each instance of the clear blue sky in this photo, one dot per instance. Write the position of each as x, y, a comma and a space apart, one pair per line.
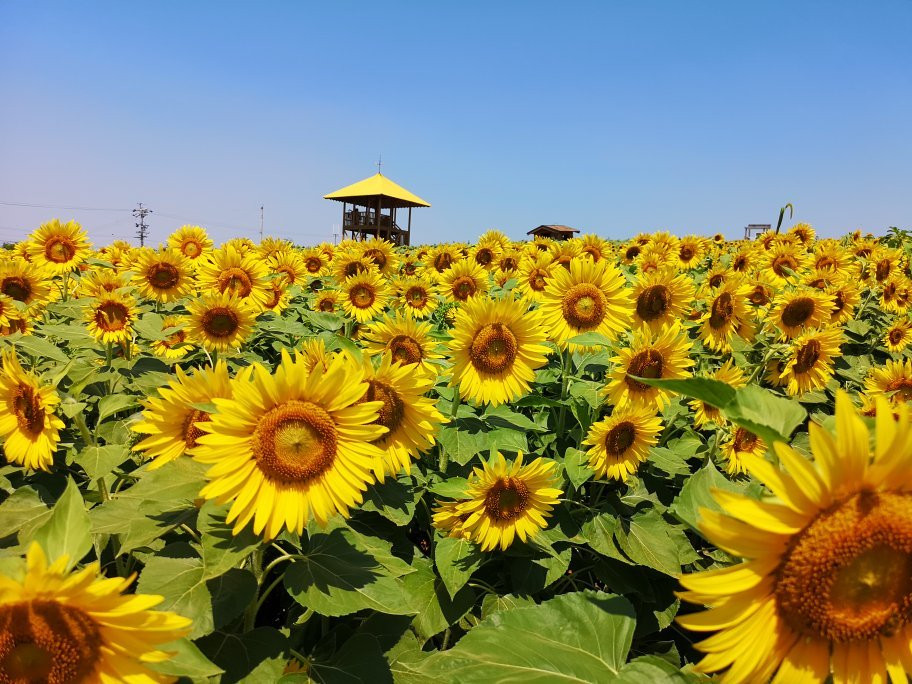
610, 117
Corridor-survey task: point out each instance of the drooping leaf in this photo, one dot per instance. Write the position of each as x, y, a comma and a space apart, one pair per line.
68, 530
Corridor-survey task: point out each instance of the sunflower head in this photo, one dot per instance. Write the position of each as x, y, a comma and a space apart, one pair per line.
219, 321
191, 241
59, 247
505, 501
111, 316
364, 295
164, 275
620, 442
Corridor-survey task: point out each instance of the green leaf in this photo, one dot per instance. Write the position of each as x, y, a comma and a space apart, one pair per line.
187, 661
114, 403
460, 444
150, 326
182, 582
456, 560
697, 493
335, 578
22, 513
221, 550
504, 439
394, 500
258, 655
100, 461
591, 339
653, 669
67, 531
360, 659
503, 416
767, 415
435, 609
576, 465
588, 391
451, 488
578, 637
646, 540
599, 531
534, 567
42, 348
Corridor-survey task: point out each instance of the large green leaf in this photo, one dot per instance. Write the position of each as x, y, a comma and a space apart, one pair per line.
579, 637
456, 560
697, 493
255, 656
646, 539
98, 461
394, 499
68, 530
221, 550
435, 609
335, 577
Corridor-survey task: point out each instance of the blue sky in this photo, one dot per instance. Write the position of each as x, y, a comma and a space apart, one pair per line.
610, 117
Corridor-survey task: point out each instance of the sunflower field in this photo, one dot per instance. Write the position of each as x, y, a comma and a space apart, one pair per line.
659, 460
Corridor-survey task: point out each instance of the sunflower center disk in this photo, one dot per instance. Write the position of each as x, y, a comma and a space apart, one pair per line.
235, 280
882, 269
901, 388
646, 364
758, 296
29, 413
537, 281
723, 309
653, 302
584, 306
313, 265
443, 261
191, 248
686, 253
220, 322
848, 575
744, 440
327, 305
45, 641
16, 288
807, 356
484, 256
164, 276
620, 438
798, 311
632, 253
295, 442
405, 350
506, 499
463, 288
393, 410
494, 348
111, 316
509, 264
362, 296
60, 250
780, 263
896, 336
417, 297
376, 256
191, 432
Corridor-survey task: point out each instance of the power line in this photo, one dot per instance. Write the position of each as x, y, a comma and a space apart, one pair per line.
55, 206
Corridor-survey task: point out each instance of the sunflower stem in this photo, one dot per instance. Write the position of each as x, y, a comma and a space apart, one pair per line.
87, 438
256, 566
454, 408
565, 387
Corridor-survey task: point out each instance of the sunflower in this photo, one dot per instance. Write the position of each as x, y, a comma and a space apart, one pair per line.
76, 626
496, 347
315, 262
417, 297
441, 257
660, 298
831, 256
28, 426
164, 275
886, 261
845, 298
533, 275
620, 442
8, 311
691, 250
412, 420
380, 253
410, 266
111, 316
350, 262
726, 311
509, 500
803, 231
496, 238
59, 247
174, 345
799, 309
631, 252
760, 293
717, 276
589, 297
742, 442
823, 588
407, 340
783, 260
510, 259
327, 301
364, 295
893, 379
663, 354
97, 281
25, 282
191, 241
464, 280
170, 419
898, 335
219, 322
890, 297
230, 271
704, 413
810, 363
290, 264
664, 243
448, 519
292, 445
744, 259
594, 247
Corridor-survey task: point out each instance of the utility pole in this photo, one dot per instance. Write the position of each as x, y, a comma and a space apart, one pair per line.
261, 223
142, 230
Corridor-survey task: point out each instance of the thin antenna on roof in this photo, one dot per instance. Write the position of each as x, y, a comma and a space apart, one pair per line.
379, 163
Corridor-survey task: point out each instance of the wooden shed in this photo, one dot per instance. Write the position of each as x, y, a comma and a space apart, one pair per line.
554, 231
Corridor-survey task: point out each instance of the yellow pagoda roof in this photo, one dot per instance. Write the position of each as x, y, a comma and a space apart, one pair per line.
376, 186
